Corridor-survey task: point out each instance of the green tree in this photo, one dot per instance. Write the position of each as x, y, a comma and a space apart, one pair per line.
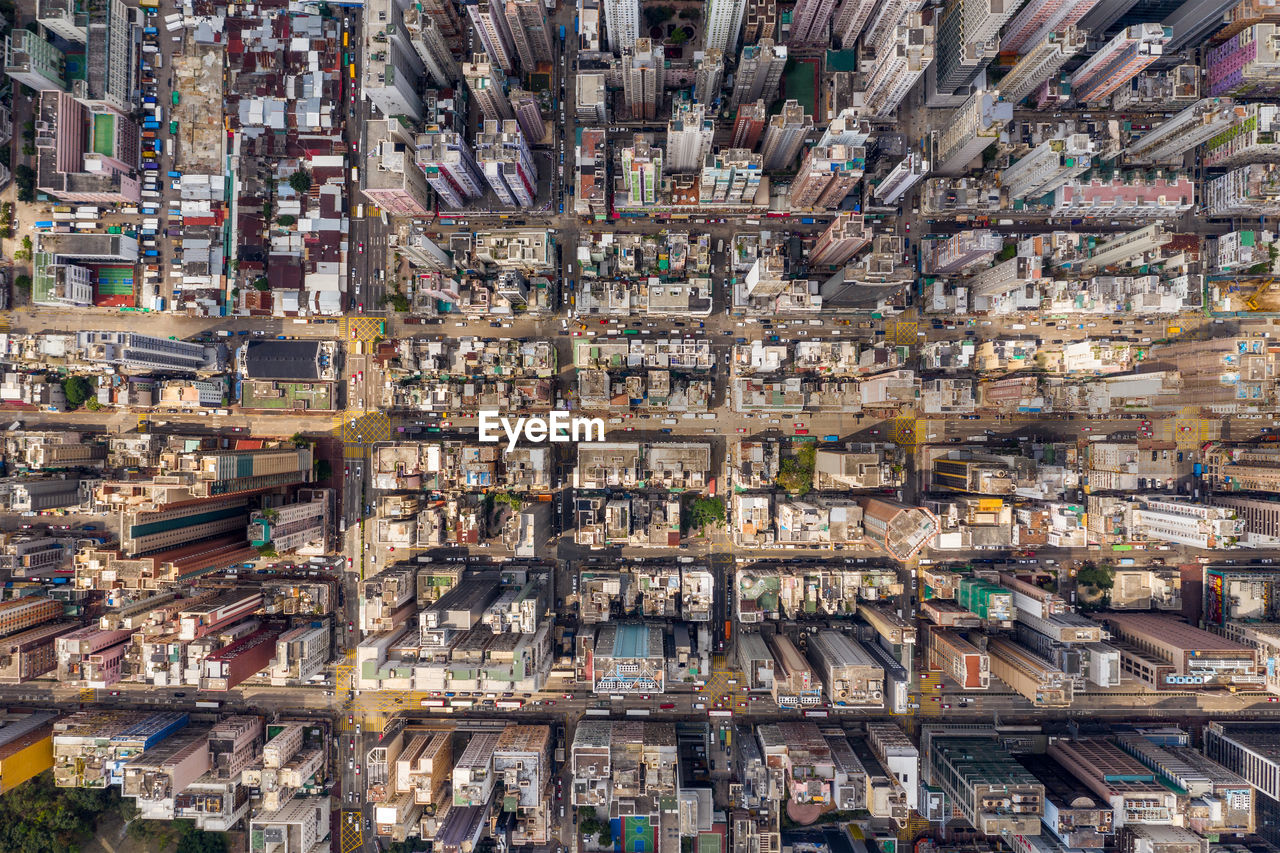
267, 551
77, 389
323, 470
299, 440
261, 283
707, 512
38, 817
25, 177
1007, 252
506, 499
23, 283
795, 474
92, 404
192, 840
680, 36
398, 301
1100, 577
23, 254
654, 15
300, 181
286, 219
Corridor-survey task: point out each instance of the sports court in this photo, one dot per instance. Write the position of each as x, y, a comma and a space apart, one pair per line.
637, 835
104, 134
114, 287
800, 83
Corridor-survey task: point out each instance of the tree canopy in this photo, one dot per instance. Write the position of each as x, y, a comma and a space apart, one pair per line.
38, 817
300, 181
707, 512
77, 389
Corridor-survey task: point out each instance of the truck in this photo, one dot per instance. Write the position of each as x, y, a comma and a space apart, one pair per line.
562, 33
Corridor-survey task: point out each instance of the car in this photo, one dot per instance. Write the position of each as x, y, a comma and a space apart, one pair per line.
357, 770
180, 695
360, 248
568, 695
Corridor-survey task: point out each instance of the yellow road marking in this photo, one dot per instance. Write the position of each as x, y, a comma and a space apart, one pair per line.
350, 832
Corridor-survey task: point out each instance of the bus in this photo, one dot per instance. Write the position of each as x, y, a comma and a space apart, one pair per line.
462, 703
719, 713
816, 714
433, 703
346, 57
209, 704
345, 36
510, 704
352, 68
597, 712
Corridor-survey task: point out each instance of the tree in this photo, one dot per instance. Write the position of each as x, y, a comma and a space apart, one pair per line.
300, 181
261, 283
286, 219
1100, 577
323, 470
707, 512
795, 474
38, 817
398, 301
77, 389
23, 283
192, 840
1007, 252
299, 440
680, 36
92, 404
506, 499
654, 15
267, 551
23, 254
25, 177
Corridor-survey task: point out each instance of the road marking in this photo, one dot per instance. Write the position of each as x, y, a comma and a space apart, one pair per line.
902, 332
350, 832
